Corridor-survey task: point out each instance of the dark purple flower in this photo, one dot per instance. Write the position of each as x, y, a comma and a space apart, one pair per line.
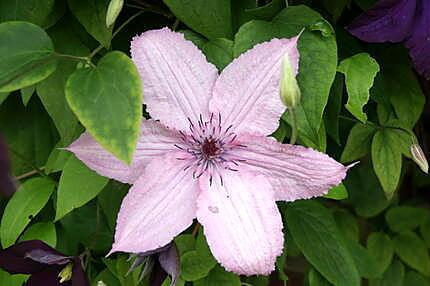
395, 21
47, 266
160, 262
7, 185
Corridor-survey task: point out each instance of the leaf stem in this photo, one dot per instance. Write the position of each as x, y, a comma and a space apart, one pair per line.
293, 137
23, 158
195, 229
409, 132
87, 60
28, 174
126, 23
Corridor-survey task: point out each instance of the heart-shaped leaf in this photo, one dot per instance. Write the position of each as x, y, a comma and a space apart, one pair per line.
107, 100
26, 55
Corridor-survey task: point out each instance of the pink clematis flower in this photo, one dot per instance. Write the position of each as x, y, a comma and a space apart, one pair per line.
206, 155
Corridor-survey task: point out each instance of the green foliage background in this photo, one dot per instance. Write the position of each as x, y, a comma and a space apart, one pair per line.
65, 67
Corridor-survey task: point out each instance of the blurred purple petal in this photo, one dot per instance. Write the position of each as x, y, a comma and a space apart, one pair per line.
169, 261
419, 41
388, 20
47, 257
7, 185
15, 259
79, 277
47, 277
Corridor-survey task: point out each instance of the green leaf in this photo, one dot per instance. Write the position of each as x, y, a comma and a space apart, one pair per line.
335, 8
57, 159
107, 278
51, 90
317, 70
185, 242
11, 280
365, 262
219, 52
316, 279
44, 231
26, 94
88, 226
334, 106
25, 204
218, 276
413, 278
401, 86
387, 160
316, 234
425, 231
71, 195
108, 101
34, 11
392, 277
110, 200
195, 266
210, 18
28, 132
26, 55
358, 143
92, 15
337, 193
381, 248
268, 11
114, 8
360, 71
3, 96
403, 218
347, 224
412, 250
365, 192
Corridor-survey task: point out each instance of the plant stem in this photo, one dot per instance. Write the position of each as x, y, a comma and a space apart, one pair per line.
120, 28
126, 23
23, 158
409, 132
196, 229
28, 174
175, 24
293, 137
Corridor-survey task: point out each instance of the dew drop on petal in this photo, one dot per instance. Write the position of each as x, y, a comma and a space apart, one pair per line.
213, 209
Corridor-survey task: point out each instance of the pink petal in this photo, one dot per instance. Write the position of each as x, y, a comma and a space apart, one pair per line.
241, 222
247, 91
155, 140
295, 172
177, 79
160, 205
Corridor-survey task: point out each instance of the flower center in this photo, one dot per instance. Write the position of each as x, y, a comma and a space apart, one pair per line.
210, 146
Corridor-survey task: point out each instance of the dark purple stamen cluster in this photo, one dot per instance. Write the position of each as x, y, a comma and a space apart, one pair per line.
210, 147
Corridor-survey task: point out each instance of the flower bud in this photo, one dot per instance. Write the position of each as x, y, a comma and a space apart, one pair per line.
290, 91
114, 8
419, 157
66, 273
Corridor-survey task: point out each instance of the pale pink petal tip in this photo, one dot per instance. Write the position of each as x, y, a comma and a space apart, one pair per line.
295, 172
177, 80
247, 91
241, 222
154, 141
160, 205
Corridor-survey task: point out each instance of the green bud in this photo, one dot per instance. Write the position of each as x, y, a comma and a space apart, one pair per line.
290, 91
66, 274
114, 8
419, 157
